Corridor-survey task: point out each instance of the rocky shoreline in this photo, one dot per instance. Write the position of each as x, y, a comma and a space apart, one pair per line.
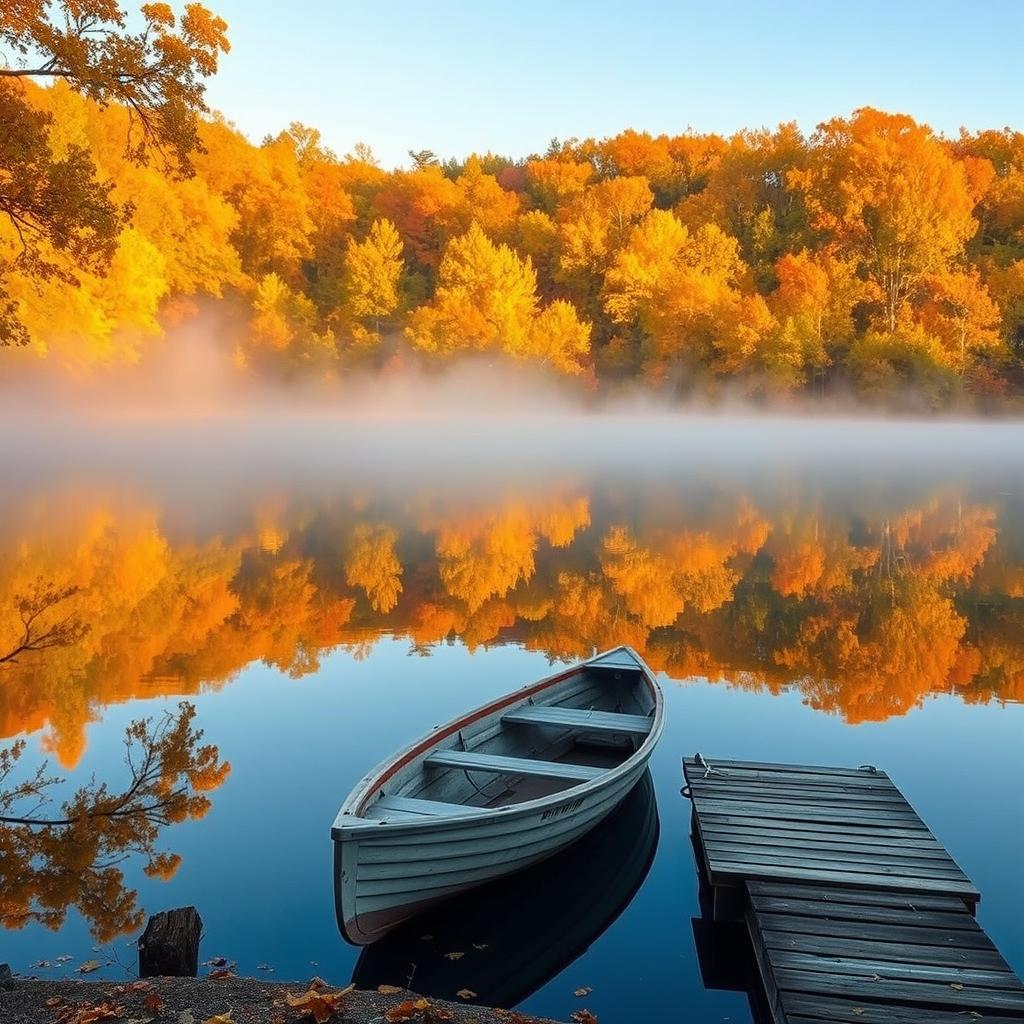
235, 1000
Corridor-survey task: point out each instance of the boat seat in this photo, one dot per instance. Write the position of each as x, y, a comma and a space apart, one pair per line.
412, 807
579, 718
474, 762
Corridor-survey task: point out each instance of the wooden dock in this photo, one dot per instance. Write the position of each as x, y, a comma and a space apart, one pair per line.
855, 911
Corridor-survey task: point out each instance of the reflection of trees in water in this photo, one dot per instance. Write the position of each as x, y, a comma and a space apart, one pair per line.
52, 860
866, 605
41, 631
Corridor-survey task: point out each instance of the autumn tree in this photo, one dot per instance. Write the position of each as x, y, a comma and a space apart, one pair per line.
486, 301
890, 195
957, 308
681, 290
58, 207
372, 274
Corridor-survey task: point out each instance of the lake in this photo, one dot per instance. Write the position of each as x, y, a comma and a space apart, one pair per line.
324, 591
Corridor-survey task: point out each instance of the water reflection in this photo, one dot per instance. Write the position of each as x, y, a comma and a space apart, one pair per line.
516, 934
867, 600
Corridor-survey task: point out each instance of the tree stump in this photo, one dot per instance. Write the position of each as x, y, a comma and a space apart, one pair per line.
170, 944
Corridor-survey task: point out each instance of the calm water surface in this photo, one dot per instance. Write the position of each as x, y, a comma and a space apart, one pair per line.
838, 594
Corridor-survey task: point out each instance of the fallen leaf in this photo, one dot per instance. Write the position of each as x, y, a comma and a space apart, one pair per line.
54, 1001
584, 1017
320, 1005
88, 1014
455, 956
466, 993
220, 1018
581, 992
153, 1003
88, 967
409, 1010
389, 990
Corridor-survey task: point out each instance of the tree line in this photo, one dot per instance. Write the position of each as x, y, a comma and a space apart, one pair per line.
871, 255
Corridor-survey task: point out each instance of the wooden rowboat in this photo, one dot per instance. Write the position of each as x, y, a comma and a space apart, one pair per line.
493, 791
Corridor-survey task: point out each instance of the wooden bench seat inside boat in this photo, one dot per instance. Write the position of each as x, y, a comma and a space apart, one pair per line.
403, 806
472, 761
580, 718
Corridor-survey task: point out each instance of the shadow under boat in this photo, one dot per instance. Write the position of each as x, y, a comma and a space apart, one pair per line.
517, 933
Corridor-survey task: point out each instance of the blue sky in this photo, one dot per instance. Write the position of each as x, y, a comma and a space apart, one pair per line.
457, 77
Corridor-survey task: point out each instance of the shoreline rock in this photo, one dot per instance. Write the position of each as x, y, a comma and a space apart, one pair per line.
250, 1000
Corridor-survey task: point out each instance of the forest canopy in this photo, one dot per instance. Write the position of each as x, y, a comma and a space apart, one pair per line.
871, 255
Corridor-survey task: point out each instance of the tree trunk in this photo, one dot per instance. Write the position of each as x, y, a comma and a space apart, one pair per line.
170, 944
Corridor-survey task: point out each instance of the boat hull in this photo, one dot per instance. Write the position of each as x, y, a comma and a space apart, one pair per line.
520, 931
434, 862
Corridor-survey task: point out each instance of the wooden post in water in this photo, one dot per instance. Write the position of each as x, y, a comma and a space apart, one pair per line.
170, 944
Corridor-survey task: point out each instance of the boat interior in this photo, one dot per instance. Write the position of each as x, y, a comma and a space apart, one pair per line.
582, 726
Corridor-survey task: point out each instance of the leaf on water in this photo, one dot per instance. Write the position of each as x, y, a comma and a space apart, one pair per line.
584, 991
956, 985
320, 1005
264, 967
389, 990
153, 1003
455, 956
584, 1017
466, 993
88, 967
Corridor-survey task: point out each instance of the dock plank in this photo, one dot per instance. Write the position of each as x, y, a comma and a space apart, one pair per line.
848, 827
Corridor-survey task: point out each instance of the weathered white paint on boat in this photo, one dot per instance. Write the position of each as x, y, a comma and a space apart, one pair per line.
453, 828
